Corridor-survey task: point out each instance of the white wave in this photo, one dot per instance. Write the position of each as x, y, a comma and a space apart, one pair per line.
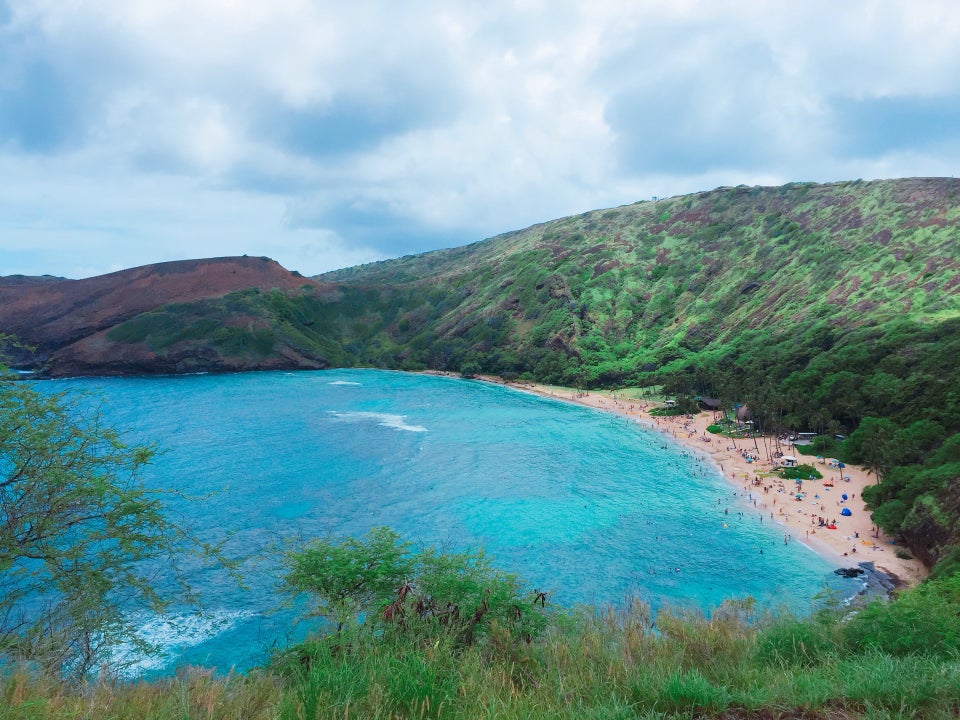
345, 382
384, 419
171, 634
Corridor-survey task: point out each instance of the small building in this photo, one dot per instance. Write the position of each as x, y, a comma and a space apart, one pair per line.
709, 403
788, 461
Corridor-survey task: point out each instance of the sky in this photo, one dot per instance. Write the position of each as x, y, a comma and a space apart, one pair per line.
329, 134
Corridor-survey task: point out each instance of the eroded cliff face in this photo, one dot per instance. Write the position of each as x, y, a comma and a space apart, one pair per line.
66, 323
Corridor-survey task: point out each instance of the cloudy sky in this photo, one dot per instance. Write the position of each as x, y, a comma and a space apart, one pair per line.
326, 134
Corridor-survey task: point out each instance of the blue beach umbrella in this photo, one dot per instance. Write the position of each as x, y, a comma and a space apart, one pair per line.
846, 512
843, 497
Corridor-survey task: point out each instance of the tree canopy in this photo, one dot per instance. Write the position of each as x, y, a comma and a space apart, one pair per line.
382, 582
81, 538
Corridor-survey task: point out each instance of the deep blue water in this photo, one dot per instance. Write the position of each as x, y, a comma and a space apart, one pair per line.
590, 506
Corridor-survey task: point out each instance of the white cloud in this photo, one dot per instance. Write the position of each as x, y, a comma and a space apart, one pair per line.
319, 133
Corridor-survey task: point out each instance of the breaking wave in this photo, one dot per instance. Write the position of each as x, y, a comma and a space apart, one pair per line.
383, 419
171, 634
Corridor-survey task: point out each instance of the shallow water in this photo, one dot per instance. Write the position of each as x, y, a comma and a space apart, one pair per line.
587, 505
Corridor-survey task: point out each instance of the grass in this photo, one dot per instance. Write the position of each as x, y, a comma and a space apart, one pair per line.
599, 664
192, 693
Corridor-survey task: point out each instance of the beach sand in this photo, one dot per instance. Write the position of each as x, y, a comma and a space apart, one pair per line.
855, 538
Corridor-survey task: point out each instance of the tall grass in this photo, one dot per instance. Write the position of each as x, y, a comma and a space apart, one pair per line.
193, 693
609, 664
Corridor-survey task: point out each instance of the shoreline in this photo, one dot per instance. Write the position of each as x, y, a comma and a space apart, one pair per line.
856, 541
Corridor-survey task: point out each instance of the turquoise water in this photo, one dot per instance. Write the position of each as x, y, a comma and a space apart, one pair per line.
589, 506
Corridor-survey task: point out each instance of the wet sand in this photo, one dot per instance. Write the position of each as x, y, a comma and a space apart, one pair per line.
855, 539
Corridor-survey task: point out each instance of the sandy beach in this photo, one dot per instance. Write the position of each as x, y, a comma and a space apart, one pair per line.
855, 539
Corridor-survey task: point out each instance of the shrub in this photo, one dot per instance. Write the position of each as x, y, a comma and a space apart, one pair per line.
924, 620
800, 472
389, 588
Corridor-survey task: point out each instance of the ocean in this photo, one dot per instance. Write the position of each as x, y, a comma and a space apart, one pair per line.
590, 507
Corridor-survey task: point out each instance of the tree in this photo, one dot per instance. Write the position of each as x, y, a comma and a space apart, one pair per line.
81, 539
382, 583
350, 578
916, 441
872, 443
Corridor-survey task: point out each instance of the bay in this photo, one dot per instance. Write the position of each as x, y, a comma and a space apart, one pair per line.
586, 505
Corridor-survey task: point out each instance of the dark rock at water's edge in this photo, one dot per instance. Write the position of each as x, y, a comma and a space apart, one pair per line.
849, 572
876, 583
884, 582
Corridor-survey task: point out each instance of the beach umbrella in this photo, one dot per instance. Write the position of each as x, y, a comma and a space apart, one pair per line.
844, 496
846, 512
840, 465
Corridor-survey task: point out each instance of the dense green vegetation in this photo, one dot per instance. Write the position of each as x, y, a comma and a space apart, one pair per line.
392, 649
800, 472
829, 308
250, 325
424, 595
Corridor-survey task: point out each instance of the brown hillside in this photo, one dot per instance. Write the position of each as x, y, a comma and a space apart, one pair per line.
56, 313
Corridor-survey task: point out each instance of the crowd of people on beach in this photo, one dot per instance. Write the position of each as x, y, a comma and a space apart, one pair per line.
761, 489
685, 426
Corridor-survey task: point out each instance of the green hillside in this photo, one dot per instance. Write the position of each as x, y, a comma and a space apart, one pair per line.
833, 308
816, 305
609, 295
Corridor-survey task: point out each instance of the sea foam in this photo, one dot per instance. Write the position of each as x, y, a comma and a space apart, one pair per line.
171, 634
383, 419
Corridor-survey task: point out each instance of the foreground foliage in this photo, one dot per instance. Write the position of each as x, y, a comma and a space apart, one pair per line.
81, 539
384, 585
736, 663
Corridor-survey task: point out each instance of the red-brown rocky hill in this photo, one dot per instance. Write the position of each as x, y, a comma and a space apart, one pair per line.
57, 312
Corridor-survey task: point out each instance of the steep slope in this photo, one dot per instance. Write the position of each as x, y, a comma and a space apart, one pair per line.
644, 285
